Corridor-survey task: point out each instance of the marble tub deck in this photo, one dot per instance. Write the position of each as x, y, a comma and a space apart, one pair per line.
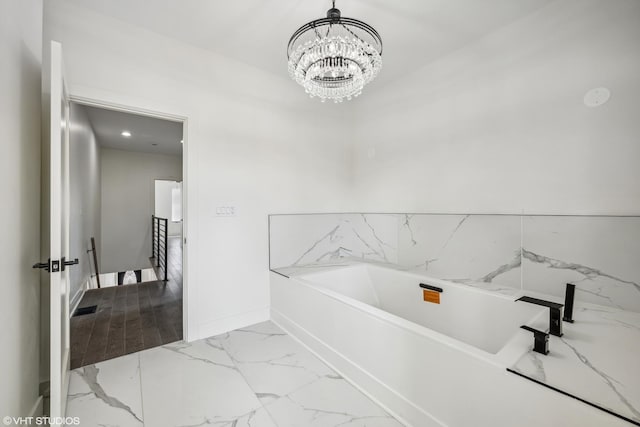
251, 377
596, 360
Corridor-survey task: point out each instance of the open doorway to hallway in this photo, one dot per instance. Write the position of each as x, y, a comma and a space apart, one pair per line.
128, 295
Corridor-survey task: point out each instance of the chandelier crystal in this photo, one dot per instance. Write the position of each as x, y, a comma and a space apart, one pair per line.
334, 57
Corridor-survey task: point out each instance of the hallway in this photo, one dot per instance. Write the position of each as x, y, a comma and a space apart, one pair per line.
130, 318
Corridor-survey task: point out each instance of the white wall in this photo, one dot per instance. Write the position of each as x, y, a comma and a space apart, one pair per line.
253, 139
20, 109
128, 193
163, 202
84, 171
500, 125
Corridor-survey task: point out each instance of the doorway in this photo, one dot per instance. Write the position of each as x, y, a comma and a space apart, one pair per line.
121, 301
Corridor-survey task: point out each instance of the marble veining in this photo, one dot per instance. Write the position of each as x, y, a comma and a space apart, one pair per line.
588, 273
272, 363
110, 388
516, 262
612, 383
182, 347
90, 375
331, 236
372, 251
298, 240
407, 223
256, 418
373, 232
328, 402
595, 359
598, 254
454, 231
537, 253
243, 378
464, 248
437, 244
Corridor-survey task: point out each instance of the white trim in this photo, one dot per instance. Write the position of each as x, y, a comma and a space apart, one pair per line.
230, 323
91, 102
38, 408
75, 301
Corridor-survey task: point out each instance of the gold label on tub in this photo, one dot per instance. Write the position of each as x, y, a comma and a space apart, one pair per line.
431, 296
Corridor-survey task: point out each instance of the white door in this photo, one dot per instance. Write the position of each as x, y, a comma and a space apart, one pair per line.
59, 235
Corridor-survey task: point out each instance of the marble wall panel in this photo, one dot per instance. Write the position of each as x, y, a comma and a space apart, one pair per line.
464, 248
298, 240
600, 255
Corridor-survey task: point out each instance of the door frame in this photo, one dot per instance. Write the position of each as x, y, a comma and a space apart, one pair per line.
111, 101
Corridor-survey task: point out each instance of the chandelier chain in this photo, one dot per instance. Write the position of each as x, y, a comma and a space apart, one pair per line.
352, 33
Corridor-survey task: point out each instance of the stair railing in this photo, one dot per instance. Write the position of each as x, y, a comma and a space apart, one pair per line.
159, 234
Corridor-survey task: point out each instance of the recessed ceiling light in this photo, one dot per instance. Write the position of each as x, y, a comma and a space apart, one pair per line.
126, 133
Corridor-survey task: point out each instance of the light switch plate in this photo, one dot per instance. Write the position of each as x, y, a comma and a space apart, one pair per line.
225, 211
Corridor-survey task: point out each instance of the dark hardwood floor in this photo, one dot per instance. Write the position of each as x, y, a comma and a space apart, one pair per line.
130, 318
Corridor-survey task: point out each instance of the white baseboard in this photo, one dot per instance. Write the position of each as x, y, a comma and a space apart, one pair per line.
226, 324
75, 301
38, 409
390, 400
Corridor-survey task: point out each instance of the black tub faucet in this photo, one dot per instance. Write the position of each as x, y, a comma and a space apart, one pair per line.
555, 313
569, 296
540, 340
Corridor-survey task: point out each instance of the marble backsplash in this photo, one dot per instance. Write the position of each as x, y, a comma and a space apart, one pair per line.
601, 255
299, 240
462, 248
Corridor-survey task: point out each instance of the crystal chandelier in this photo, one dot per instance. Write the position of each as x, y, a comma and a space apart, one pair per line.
334, 57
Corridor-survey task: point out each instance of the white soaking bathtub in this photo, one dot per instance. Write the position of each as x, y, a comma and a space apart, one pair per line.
428, 364
484, 320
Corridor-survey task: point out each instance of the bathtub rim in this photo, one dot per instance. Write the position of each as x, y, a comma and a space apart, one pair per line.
514, 348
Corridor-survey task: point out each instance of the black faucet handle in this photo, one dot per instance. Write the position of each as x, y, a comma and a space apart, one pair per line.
555, 313
544, 303
569, 296
540, 340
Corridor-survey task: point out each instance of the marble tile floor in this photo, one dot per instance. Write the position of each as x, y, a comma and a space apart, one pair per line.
256, 376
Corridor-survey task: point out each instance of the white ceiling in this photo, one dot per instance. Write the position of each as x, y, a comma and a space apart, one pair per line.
145, 131
414, 32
